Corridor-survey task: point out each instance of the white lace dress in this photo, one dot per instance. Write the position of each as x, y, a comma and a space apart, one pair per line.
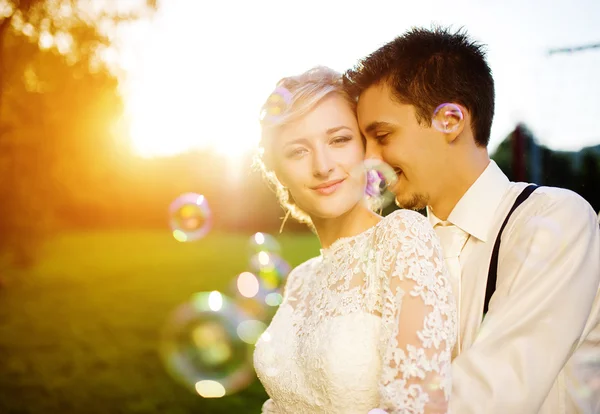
370, 323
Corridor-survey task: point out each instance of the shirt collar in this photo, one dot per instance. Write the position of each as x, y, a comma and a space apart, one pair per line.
474, 212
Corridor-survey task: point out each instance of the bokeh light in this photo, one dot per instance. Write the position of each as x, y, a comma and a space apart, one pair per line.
249, 331
273, 299
263, 242
247, 284
210, 389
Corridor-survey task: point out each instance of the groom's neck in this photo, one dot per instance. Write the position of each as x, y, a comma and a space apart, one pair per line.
463, 173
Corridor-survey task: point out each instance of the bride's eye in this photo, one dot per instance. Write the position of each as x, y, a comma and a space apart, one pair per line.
340, 140
296, 153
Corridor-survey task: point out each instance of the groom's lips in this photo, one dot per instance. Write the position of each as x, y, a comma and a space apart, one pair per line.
399, 173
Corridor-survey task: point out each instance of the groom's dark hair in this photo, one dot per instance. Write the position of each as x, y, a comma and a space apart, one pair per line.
428, 67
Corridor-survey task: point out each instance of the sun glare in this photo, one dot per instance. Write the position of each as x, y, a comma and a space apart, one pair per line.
177, 100
197, 74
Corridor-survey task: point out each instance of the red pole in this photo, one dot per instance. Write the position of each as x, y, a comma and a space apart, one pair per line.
518, 154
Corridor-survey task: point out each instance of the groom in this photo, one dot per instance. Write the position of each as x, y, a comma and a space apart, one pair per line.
533, 351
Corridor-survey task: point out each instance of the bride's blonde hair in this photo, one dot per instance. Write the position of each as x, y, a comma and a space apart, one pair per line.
302, 94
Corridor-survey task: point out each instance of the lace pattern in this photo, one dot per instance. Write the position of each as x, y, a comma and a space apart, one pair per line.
370, 323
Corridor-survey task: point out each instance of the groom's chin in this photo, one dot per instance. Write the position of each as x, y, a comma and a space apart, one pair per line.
411, 202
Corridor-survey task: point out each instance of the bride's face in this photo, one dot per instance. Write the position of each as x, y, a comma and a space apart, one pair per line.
319, 158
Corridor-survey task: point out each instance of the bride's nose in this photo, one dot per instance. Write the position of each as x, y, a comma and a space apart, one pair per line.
323, 164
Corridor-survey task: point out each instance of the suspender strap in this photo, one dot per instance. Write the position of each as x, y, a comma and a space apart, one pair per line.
493, 272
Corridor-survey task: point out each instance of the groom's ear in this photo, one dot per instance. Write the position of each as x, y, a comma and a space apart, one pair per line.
455, 119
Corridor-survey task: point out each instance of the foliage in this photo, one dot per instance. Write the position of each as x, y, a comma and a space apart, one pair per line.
577, 171
79, 331
53, 82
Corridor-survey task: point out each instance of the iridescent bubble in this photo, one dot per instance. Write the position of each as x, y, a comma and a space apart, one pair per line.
381, 178
202, 349
263, 242
254, 307
189, 217
263, 305
447, 117
271, 270
276, 105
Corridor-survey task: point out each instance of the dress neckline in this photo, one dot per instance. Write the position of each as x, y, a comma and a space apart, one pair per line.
342, 241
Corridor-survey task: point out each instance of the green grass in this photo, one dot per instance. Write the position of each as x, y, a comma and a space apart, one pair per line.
79, 332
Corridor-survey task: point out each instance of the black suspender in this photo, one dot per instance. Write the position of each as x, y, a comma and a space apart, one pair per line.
493, 272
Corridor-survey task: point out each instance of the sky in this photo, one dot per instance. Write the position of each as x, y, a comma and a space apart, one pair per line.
198, 73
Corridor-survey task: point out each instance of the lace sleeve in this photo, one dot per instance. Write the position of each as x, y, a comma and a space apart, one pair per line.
418, 318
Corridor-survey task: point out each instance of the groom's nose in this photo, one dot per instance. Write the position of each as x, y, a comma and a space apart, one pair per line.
372, 150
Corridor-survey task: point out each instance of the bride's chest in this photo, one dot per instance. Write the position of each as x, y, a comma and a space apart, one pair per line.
332, 368
327, 346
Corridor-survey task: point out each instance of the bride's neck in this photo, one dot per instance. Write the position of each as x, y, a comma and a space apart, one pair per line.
351, 223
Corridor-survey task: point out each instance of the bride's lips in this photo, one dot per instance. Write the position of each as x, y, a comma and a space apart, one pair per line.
328, 187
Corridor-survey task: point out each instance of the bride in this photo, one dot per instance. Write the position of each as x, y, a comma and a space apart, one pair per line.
369, 324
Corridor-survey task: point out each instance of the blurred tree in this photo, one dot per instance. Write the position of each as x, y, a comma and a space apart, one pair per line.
559, 170
49, 52
555, 168
590, 178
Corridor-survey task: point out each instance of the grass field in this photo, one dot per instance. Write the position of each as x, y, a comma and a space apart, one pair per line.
79, 332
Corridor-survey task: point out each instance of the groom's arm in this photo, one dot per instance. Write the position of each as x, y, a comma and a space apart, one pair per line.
551, 260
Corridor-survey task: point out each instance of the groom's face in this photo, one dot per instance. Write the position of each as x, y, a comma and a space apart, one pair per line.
415, 151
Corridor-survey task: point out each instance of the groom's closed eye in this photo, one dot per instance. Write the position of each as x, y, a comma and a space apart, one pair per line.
380, 138
379, 131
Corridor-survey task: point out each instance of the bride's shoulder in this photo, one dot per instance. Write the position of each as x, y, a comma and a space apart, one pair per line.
305, 266
295, 276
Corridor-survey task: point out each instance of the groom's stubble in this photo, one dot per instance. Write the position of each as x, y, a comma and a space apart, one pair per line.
413, 202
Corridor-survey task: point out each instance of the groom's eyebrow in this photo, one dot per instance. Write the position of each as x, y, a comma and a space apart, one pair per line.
374, 126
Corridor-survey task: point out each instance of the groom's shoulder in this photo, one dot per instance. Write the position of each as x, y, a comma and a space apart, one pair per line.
553, 200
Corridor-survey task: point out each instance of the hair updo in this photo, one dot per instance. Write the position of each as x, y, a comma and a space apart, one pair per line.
294, 97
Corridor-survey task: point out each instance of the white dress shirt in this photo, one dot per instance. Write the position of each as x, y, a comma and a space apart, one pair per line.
536, 349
